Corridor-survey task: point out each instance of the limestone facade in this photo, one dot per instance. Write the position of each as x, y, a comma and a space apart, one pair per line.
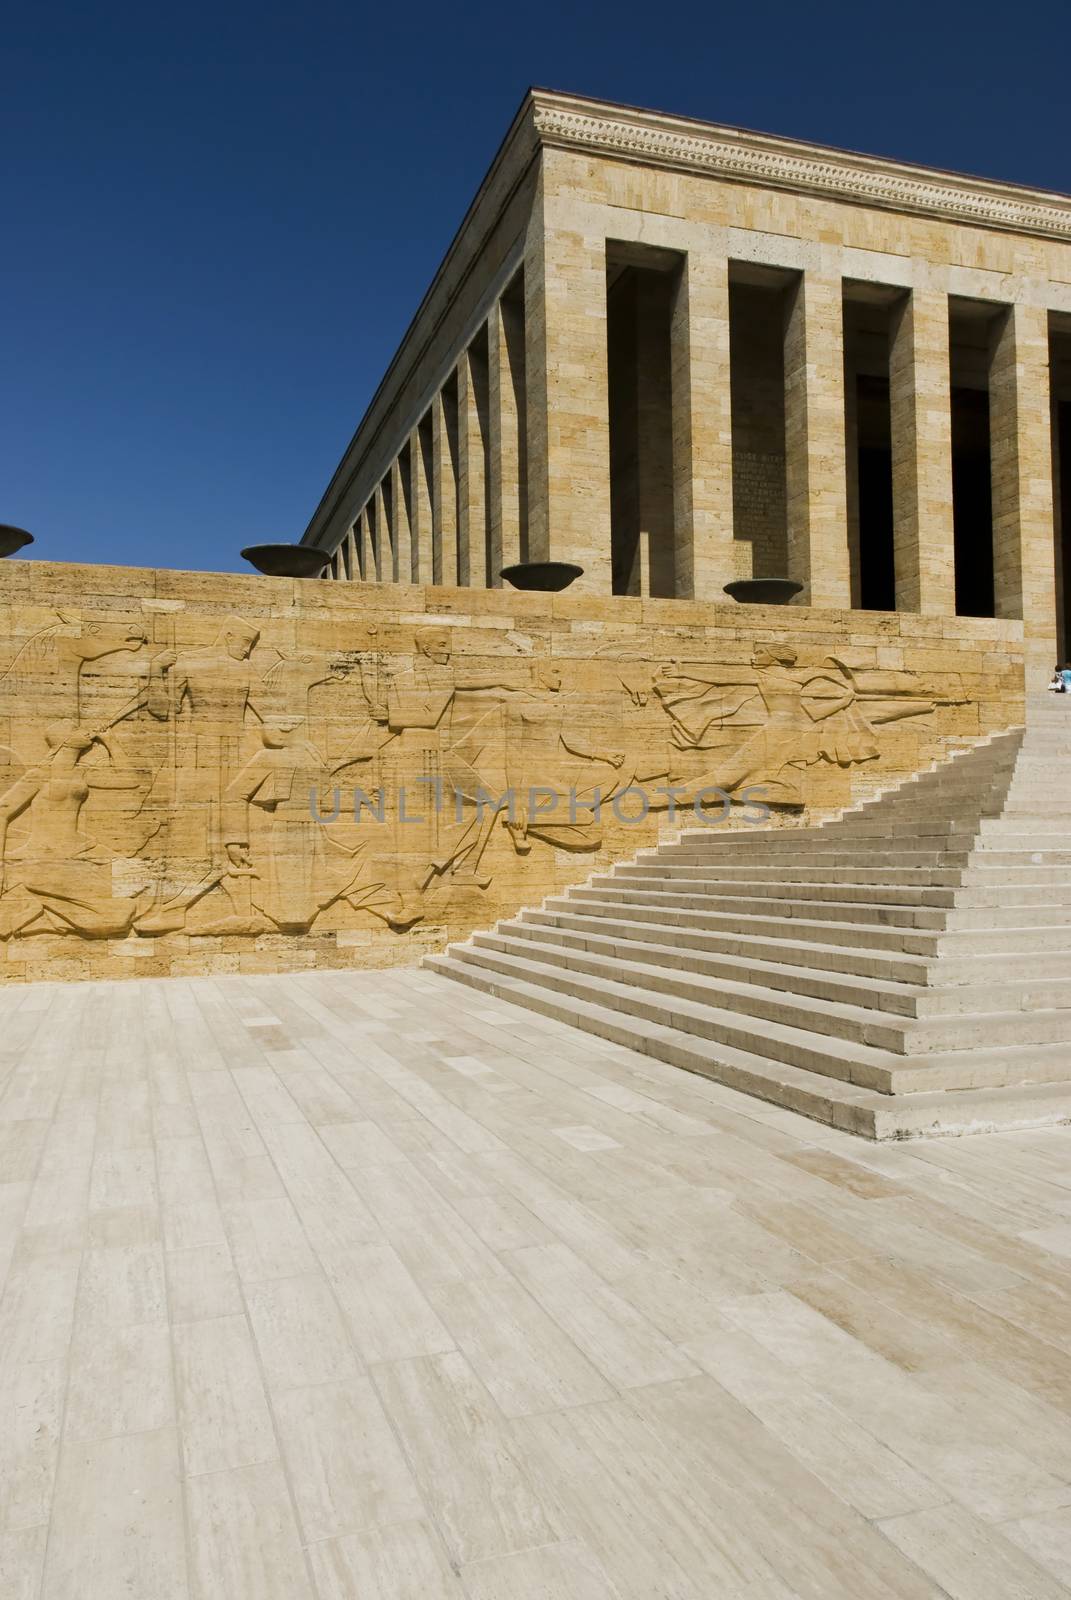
680, 354
174, 747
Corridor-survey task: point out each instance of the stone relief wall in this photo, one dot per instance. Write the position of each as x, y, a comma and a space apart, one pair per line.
162, 735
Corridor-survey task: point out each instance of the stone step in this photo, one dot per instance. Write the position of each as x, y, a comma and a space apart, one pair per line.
909, 941
787, 908
900, 970
845, 1020
866, 907
995, 854
727, 872
1044, 892
935, 877
831, 1019
1017, 940
868, 963
967, 970
1049, 830
664, 1000
907, 999
831, 892
834, 854
841, 1104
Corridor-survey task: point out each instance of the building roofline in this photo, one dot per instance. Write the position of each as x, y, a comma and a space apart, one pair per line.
548, 118
774, 161
786, 142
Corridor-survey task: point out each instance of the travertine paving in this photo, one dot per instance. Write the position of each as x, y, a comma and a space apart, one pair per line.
371, 1287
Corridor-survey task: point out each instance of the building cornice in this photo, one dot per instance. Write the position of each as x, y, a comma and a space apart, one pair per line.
682, 145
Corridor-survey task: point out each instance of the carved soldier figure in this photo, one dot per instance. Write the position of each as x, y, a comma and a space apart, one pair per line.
293, 876
205, 694
58, 879
805, 714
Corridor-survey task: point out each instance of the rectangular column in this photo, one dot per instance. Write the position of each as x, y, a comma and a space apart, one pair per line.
565, 381
920, 407
349, 556
385, 541
403, 559
420, 521
471, 468
505, 420
1020, 431
444, 488
706, 556
365, 561
815, 482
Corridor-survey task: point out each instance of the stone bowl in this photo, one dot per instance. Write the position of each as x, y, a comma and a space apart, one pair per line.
549, 576
12, 539
287, 560
763, 591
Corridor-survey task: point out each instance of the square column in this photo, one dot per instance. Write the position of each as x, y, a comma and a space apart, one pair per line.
815, 480
920, 405
365, 560
402, 541
420, 530
443, 490
505, 422
1020, 429
568, 422
349, 556
384, 551
706, 556
471, 474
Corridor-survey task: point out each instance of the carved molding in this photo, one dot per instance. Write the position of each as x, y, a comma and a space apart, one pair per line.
840, 176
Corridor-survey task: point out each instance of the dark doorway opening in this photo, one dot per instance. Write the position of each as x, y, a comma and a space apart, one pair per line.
972, 503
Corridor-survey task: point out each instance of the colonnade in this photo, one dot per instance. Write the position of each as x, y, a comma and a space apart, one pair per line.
512, 458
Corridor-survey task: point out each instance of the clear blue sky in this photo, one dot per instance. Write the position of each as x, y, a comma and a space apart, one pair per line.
217, 222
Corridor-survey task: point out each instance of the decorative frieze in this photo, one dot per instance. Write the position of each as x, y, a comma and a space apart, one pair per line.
841, 175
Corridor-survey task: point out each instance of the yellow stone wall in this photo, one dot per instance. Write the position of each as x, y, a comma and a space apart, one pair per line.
161, 732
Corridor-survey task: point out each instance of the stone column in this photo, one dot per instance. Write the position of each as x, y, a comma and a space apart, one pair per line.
444, 489
420, 521
565, 379
505, 421
365, 563
706, 556
403, 556
349, 556
471, 474
920, 409
1021, 449
384, 550
815, 482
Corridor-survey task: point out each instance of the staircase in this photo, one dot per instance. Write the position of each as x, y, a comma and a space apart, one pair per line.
902, 971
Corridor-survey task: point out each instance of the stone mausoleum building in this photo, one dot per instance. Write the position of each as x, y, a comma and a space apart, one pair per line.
680, 354
820, 852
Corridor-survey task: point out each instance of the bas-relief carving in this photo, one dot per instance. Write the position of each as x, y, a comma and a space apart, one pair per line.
196, 818
800, 716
